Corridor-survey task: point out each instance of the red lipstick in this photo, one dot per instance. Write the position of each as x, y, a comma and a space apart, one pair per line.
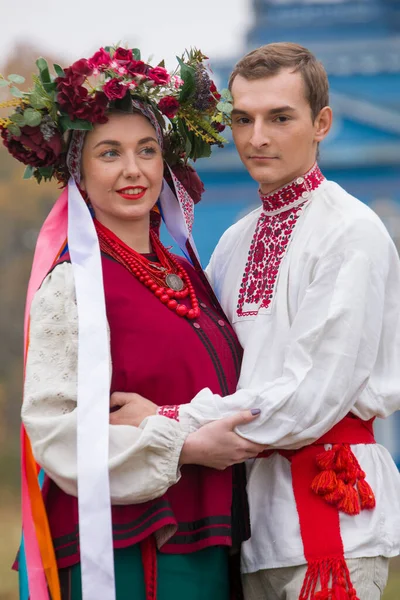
129, 195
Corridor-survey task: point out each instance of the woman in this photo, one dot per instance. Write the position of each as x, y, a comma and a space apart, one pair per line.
149, 312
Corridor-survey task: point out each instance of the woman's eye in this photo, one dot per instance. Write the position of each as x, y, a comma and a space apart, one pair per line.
148, 150
109, 154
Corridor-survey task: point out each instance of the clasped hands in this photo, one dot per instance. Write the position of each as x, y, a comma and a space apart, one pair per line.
215, 445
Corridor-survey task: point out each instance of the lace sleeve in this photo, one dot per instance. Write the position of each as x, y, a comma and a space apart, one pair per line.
143, 461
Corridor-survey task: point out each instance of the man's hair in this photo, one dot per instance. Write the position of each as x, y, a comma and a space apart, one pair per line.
270, 59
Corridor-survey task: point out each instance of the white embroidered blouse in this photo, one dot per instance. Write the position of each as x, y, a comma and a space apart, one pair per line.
311, 283
143, 462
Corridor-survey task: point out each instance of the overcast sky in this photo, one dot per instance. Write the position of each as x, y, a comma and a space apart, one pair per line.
160, 28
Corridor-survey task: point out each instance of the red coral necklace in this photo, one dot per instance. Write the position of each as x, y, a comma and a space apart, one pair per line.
167, 279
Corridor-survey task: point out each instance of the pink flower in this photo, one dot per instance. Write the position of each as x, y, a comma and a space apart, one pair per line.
169, 106
159, 75
123, 55
100, 60
178, 82
114, 89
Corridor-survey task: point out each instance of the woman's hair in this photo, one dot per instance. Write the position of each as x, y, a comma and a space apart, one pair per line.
270, 59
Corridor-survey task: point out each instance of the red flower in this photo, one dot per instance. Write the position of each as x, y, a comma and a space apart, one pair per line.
169, 106
99, 104
137, 67
218, 126
100, 60
114, 89
81, 67
31, 148
214, 91
159, 75
123, 55
190, 181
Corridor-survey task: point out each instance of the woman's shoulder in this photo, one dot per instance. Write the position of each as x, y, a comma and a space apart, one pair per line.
56, 295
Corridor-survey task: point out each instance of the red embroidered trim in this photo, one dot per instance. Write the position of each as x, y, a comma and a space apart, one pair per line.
270, 241
293, 191
267, 249
186, 203
170, 411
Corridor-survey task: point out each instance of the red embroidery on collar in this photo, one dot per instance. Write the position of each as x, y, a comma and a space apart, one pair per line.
270, 241
293, 191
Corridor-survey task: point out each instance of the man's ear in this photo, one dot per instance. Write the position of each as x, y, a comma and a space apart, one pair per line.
323, 123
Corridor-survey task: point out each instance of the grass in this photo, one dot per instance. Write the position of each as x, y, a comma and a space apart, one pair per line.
10, 536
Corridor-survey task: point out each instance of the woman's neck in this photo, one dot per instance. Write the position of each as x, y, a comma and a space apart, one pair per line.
134, 233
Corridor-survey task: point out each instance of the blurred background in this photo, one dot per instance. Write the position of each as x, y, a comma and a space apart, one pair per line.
359, 43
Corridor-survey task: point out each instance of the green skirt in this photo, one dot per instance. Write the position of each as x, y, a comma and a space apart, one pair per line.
199, 575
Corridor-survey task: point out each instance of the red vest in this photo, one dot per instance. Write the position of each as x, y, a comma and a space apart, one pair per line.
167, 359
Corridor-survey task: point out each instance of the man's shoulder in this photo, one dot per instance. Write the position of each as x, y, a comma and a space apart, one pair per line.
338, 210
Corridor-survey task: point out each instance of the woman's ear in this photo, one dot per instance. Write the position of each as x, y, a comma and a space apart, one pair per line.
323, 123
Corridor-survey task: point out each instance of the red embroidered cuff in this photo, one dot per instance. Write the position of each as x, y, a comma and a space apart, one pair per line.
170, 411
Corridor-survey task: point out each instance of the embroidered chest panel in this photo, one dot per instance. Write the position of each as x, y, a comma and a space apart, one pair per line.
266, 252
271, 238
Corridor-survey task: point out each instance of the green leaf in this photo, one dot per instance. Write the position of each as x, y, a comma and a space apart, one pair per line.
226, 95
66, 123
59, 70
225, 107
3, 82
188, 88
136, 54
161, 64
46, 172
16, 92
28, 173
44, 72
36, 101
18, 119
14, 129
32, 117
16, 78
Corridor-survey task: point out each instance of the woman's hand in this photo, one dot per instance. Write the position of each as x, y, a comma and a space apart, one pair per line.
132, 409
216, 445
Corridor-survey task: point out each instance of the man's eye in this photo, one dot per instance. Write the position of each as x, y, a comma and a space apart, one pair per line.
242, 120
281, 119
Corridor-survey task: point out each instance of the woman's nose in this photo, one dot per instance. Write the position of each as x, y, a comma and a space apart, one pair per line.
131, 168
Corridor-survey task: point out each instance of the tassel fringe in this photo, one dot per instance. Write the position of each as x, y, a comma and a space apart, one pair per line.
342, 483
334, 578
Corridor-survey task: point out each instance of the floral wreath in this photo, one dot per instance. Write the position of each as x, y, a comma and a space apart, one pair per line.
78, 97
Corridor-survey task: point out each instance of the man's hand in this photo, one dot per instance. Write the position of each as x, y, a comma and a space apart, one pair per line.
216, 445
132, 409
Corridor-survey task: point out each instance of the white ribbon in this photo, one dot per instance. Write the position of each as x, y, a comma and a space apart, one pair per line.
93, 406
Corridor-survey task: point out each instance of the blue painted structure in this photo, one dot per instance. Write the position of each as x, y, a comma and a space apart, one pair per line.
358, 42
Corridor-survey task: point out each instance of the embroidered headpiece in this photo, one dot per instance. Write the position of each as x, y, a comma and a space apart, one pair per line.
181, 105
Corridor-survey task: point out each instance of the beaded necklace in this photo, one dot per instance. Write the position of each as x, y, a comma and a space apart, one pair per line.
167, 280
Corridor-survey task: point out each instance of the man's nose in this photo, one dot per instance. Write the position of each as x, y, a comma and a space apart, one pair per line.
260, 136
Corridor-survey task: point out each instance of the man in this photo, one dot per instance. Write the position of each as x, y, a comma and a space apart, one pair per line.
311, 282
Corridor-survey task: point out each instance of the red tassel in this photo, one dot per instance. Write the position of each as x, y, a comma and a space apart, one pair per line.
343, 460
350, 503
340, 593
326, 460
323, 595
337, 494
324, 483
367, 498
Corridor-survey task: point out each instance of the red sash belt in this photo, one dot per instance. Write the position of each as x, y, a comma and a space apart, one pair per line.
326, 479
